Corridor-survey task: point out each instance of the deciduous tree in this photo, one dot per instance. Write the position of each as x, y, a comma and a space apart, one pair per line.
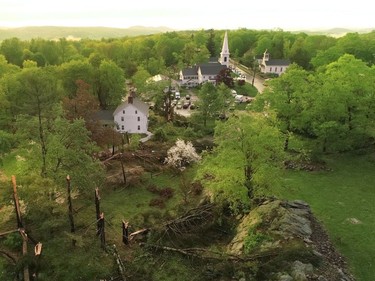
246, 160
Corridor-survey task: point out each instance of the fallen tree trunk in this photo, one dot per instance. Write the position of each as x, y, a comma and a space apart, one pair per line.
191, 220
8, 256
206, 254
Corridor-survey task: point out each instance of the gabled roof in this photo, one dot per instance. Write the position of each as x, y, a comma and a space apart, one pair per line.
211, 68
140, 105
104, 115
190, 71
277, 62
213, 60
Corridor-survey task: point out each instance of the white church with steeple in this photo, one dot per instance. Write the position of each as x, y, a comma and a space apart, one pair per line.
206, 72
224, 55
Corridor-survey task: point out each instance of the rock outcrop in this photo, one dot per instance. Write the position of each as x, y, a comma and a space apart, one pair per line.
289, 230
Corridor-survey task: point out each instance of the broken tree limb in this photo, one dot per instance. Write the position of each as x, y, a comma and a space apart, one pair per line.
206, 254
8, 256
112, 157
191, 220
120, 264
141, 231
123, 168
8, 232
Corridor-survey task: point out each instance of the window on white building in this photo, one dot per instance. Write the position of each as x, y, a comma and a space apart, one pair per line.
139, 127
275, 69
139, 118
270, 69
281, 69
122, 118
136, 112
123, 111
122, 127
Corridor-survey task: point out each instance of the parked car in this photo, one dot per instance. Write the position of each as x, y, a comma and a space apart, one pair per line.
187, 97
192, 106
177, 95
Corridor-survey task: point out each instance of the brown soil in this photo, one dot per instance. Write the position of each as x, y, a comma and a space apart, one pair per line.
334, 265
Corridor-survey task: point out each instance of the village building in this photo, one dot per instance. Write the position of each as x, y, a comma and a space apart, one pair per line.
131, 116
274, 66
206, 72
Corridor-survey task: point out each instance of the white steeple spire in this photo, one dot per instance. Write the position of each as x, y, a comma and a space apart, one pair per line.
224, 55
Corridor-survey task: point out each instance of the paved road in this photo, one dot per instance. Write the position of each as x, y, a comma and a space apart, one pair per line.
258, 81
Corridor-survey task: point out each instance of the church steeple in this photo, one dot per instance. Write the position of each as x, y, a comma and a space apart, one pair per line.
224, 55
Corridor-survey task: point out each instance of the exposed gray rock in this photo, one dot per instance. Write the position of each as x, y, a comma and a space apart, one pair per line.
301, 270
285, 277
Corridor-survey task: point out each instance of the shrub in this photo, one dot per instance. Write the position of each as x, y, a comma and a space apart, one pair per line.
196, 188
160, 135
157, 202
153, 188
166, 193
253, 240
182, 154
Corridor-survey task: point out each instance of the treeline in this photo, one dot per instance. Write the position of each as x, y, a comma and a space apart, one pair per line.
156, 53
72, 76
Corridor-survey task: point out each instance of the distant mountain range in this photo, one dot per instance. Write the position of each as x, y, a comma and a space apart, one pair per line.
336, 32
75, 33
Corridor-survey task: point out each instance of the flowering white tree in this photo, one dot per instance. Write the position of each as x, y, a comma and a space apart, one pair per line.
182, 154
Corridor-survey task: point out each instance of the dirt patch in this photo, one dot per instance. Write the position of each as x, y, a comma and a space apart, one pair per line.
334, 265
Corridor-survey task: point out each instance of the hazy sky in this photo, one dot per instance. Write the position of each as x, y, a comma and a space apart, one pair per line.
190, 14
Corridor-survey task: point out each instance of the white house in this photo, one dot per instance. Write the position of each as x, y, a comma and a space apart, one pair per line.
206, 72
131, 116
275, 66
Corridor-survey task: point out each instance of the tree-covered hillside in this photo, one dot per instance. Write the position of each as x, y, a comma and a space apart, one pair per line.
76, 33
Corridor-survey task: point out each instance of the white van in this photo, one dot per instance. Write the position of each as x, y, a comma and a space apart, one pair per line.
177, 95
238, 98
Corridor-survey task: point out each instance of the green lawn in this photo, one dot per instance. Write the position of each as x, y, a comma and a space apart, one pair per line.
133, 203
344, 200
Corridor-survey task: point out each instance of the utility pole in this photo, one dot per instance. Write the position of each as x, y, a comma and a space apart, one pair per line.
252, 83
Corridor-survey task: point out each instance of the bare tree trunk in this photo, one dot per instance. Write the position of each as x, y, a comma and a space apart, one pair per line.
16, 203
125, 232
102, 231
286, 142
26, 274
70, 207
123, 169
97, 207
42, 143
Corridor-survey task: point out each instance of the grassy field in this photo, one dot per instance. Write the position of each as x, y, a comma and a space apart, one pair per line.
344, 201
